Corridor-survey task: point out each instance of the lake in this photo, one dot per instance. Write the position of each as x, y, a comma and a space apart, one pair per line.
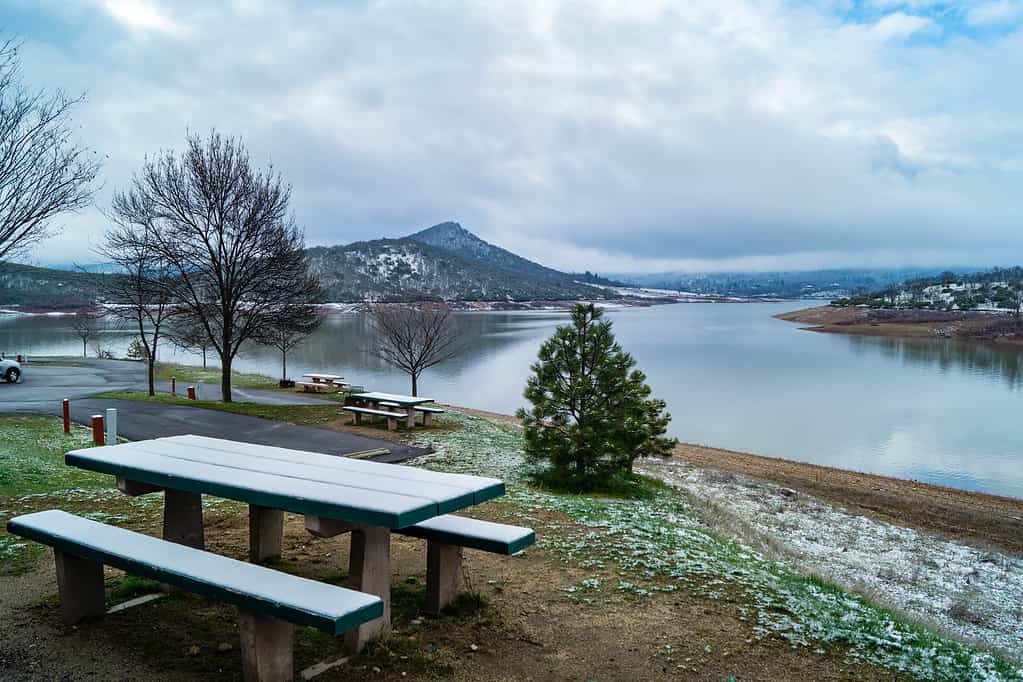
935, 410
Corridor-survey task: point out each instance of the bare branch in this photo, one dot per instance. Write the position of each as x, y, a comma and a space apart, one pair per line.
413, 339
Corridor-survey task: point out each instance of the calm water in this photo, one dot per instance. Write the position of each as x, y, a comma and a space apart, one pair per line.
934, 410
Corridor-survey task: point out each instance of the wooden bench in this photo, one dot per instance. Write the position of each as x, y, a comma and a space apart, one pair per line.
428, 413
446, 536
269, 602
358, 412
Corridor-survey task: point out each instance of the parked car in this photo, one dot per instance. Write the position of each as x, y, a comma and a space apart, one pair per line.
10, 371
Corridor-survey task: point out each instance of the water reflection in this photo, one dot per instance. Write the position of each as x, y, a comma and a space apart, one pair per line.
1003, 362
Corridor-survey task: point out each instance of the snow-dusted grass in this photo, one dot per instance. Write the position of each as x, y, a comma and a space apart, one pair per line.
973, 594
661, 544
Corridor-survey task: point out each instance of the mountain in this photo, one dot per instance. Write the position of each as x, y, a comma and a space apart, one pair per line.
811, 284
443, 262
48, 288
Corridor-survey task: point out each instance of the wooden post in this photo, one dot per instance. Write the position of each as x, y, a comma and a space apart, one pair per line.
80, 583
98, 437
191, 392
66, 406
369, 571
443, 575
267, 648
182, 518
427, 418
174, 385
266, 533
410, 418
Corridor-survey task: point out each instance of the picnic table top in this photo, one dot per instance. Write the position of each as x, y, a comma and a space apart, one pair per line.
328, 377
301, 482
376, 397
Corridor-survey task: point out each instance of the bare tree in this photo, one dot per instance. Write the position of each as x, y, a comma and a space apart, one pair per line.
290, 330
142, 287
187, 332
226, 230
412, 338
43, 170
87, 325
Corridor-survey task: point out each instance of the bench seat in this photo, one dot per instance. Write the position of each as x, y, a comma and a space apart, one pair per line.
446, 536
496, 538
269, 601
312, 387
358, 412
430, 410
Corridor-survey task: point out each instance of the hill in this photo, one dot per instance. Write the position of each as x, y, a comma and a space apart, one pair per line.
46, 288
825, 284
443, 262
997, 290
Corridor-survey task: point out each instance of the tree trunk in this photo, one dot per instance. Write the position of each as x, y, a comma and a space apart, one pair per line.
284, 365
415, 384
204, 357
225, 379
85, 347
150, 372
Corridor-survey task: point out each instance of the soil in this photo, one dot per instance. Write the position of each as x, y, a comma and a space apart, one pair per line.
907, 323
522, 627
974, 518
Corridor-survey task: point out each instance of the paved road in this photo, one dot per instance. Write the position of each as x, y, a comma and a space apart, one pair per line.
44, 386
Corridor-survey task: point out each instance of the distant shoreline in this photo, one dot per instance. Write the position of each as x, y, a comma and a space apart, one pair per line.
961, 325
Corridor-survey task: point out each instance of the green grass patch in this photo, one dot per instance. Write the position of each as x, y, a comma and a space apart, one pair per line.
294, 414
623, 486
33, 477
211, 375
129, 587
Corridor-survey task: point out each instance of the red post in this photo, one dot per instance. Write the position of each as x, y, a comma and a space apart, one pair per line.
191, 392
174, 385
67, 415
98, 436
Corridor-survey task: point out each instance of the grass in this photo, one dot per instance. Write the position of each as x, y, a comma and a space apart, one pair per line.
294, 414
187, 374
659, 544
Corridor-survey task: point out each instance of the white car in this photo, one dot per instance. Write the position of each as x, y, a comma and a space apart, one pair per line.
10, 371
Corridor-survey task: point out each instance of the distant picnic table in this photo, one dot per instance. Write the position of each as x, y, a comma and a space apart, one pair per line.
325, 378
408, 402
322, 383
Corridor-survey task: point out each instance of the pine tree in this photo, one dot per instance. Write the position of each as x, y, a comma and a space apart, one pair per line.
592, 414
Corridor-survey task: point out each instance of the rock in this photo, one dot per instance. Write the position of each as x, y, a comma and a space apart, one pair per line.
474, 647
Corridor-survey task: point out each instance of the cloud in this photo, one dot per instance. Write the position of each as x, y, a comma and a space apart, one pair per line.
997, 13
901, 25
705, 134
141, 15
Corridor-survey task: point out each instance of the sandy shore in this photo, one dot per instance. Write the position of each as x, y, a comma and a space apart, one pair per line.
978, 519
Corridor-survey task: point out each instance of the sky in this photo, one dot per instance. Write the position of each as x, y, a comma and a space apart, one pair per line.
639, 136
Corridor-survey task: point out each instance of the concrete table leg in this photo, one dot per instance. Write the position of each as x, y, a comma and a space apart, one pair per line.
410, 418
267, 648
443, 575
370, 571
427, 418
135, 488
80, 582
266, 533
182, 518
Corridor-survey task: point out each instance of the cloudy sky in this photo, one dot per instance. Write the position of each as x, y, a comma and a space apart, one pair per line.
645, 135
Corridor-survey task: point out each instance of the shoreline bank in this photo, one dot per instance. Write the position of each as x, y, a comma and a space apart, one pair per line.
981, 519
962, 326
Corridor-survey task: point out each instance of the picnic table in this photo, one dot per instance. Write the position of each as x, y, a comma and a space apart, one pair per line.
409, 402
325, 378
335, 494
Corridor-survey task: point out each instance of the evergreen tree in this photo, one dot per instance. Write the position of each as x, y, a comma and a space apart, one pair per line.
592, 414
